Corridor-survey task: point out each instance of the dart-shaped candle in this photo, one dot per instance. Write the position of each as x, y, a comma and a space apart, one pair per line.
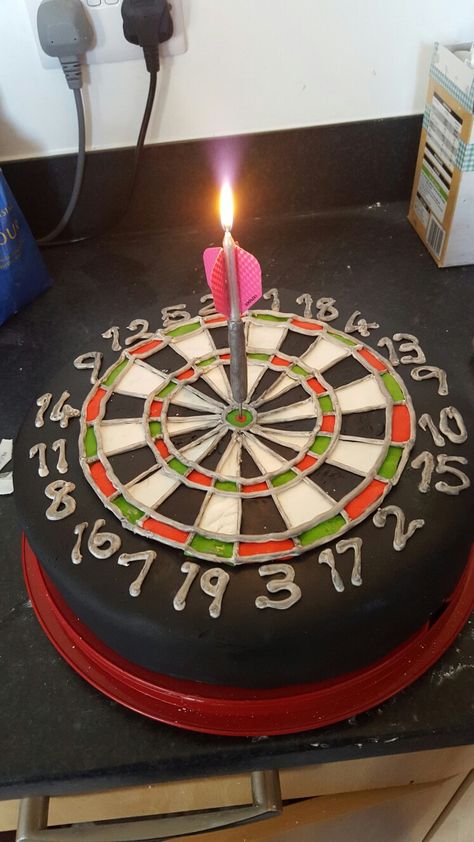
238, 357
235, 279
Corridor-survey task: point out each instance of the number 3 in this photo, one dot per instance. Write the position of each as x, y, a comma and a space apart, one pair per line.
276, 585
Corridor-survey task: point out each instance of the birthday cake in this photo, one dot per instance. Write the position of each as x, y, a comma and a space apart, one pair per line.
297, 539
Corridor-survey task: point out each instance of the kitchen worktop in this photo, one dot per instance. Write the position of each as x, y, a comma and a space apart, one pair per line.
59, 735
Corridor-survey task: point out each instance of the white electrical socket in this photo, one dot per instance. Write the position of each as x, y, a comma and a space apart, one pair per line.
110, 44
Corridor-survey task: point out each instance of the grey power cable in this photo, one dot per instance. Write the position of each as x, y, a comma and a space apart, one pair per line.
65, 33
78, 177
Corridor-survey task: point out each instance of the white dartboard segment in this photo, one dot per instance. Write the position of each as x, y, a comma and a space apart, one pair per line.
294, 440
195, 345
179, 426
303, 502
363, 395
254, 374
198, 450
217, 379
283, 384
221, 515
262, 336
154, 488
140, 380
118, 437
293, 412
189, 398
356, 456
324, 354
229, 465
266, 459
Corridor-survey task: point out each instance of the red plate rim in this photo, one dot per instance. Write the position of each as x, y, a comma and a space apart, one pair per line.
232, 711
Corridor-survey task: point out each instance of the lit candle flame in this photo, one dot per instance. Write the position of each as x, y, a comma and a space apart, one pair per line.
227, 206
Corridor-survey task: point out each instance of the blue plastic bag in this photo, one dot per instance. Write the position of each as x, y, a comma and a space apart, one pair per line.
23, 274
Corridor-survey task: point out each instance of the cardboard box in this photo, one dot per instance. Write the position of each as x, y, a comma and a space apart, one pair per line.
442, 202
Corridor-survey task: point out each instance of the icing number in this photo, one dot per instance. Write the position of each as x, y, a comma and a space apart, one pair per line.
43, 402
140, 325
275, 298
409, 347
62, 504
386, 342
326, 556
445, 428
191, 570
307, 300
113, 333
276, 585
401, 536
142, 328
426, 461
76, 554
175, 313
209, 307
91, 360
40, 449
356, 545
429, 372
148, 557
213, 583
362, 326
326, 311
102, 544
61, 410
59, 447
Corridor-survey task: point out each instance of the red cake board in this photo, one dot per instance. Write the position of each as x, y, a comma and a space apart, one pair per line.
236, 711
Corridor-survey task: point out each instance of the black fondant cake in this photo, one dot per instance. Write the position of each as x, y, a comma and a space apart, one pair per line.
299, 540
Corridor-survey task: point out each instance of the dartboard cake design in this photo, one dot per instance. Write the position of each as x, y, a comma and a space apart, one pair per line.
324, 434
297, 539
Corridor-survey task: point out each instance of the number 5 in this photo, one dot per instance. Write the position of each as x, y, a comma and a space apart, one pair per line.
443, 468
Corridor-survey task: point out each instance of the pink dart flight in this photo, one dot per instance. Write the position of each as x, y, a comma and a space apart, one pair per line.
249, 275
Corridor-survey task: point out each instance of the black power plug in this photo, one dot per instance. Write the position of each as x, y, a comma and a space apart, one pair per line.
147, 23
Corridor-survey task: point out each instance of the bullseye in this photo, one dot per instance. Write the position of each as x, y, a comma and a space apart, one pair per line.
240, 419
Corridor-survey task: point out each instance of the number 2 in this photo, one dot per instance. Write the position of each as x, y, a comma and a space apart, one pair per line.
400, 537
209, 309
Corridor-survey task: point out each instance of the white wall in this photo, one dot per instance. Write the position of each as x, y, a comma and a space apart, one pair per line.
252, 65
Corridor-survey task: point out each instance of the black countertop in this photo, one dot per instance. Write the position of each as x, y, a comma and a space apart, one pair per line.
57, 734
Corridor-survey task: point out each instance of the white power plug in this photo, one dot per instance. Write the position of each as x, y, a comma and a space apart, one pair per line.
110, 44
